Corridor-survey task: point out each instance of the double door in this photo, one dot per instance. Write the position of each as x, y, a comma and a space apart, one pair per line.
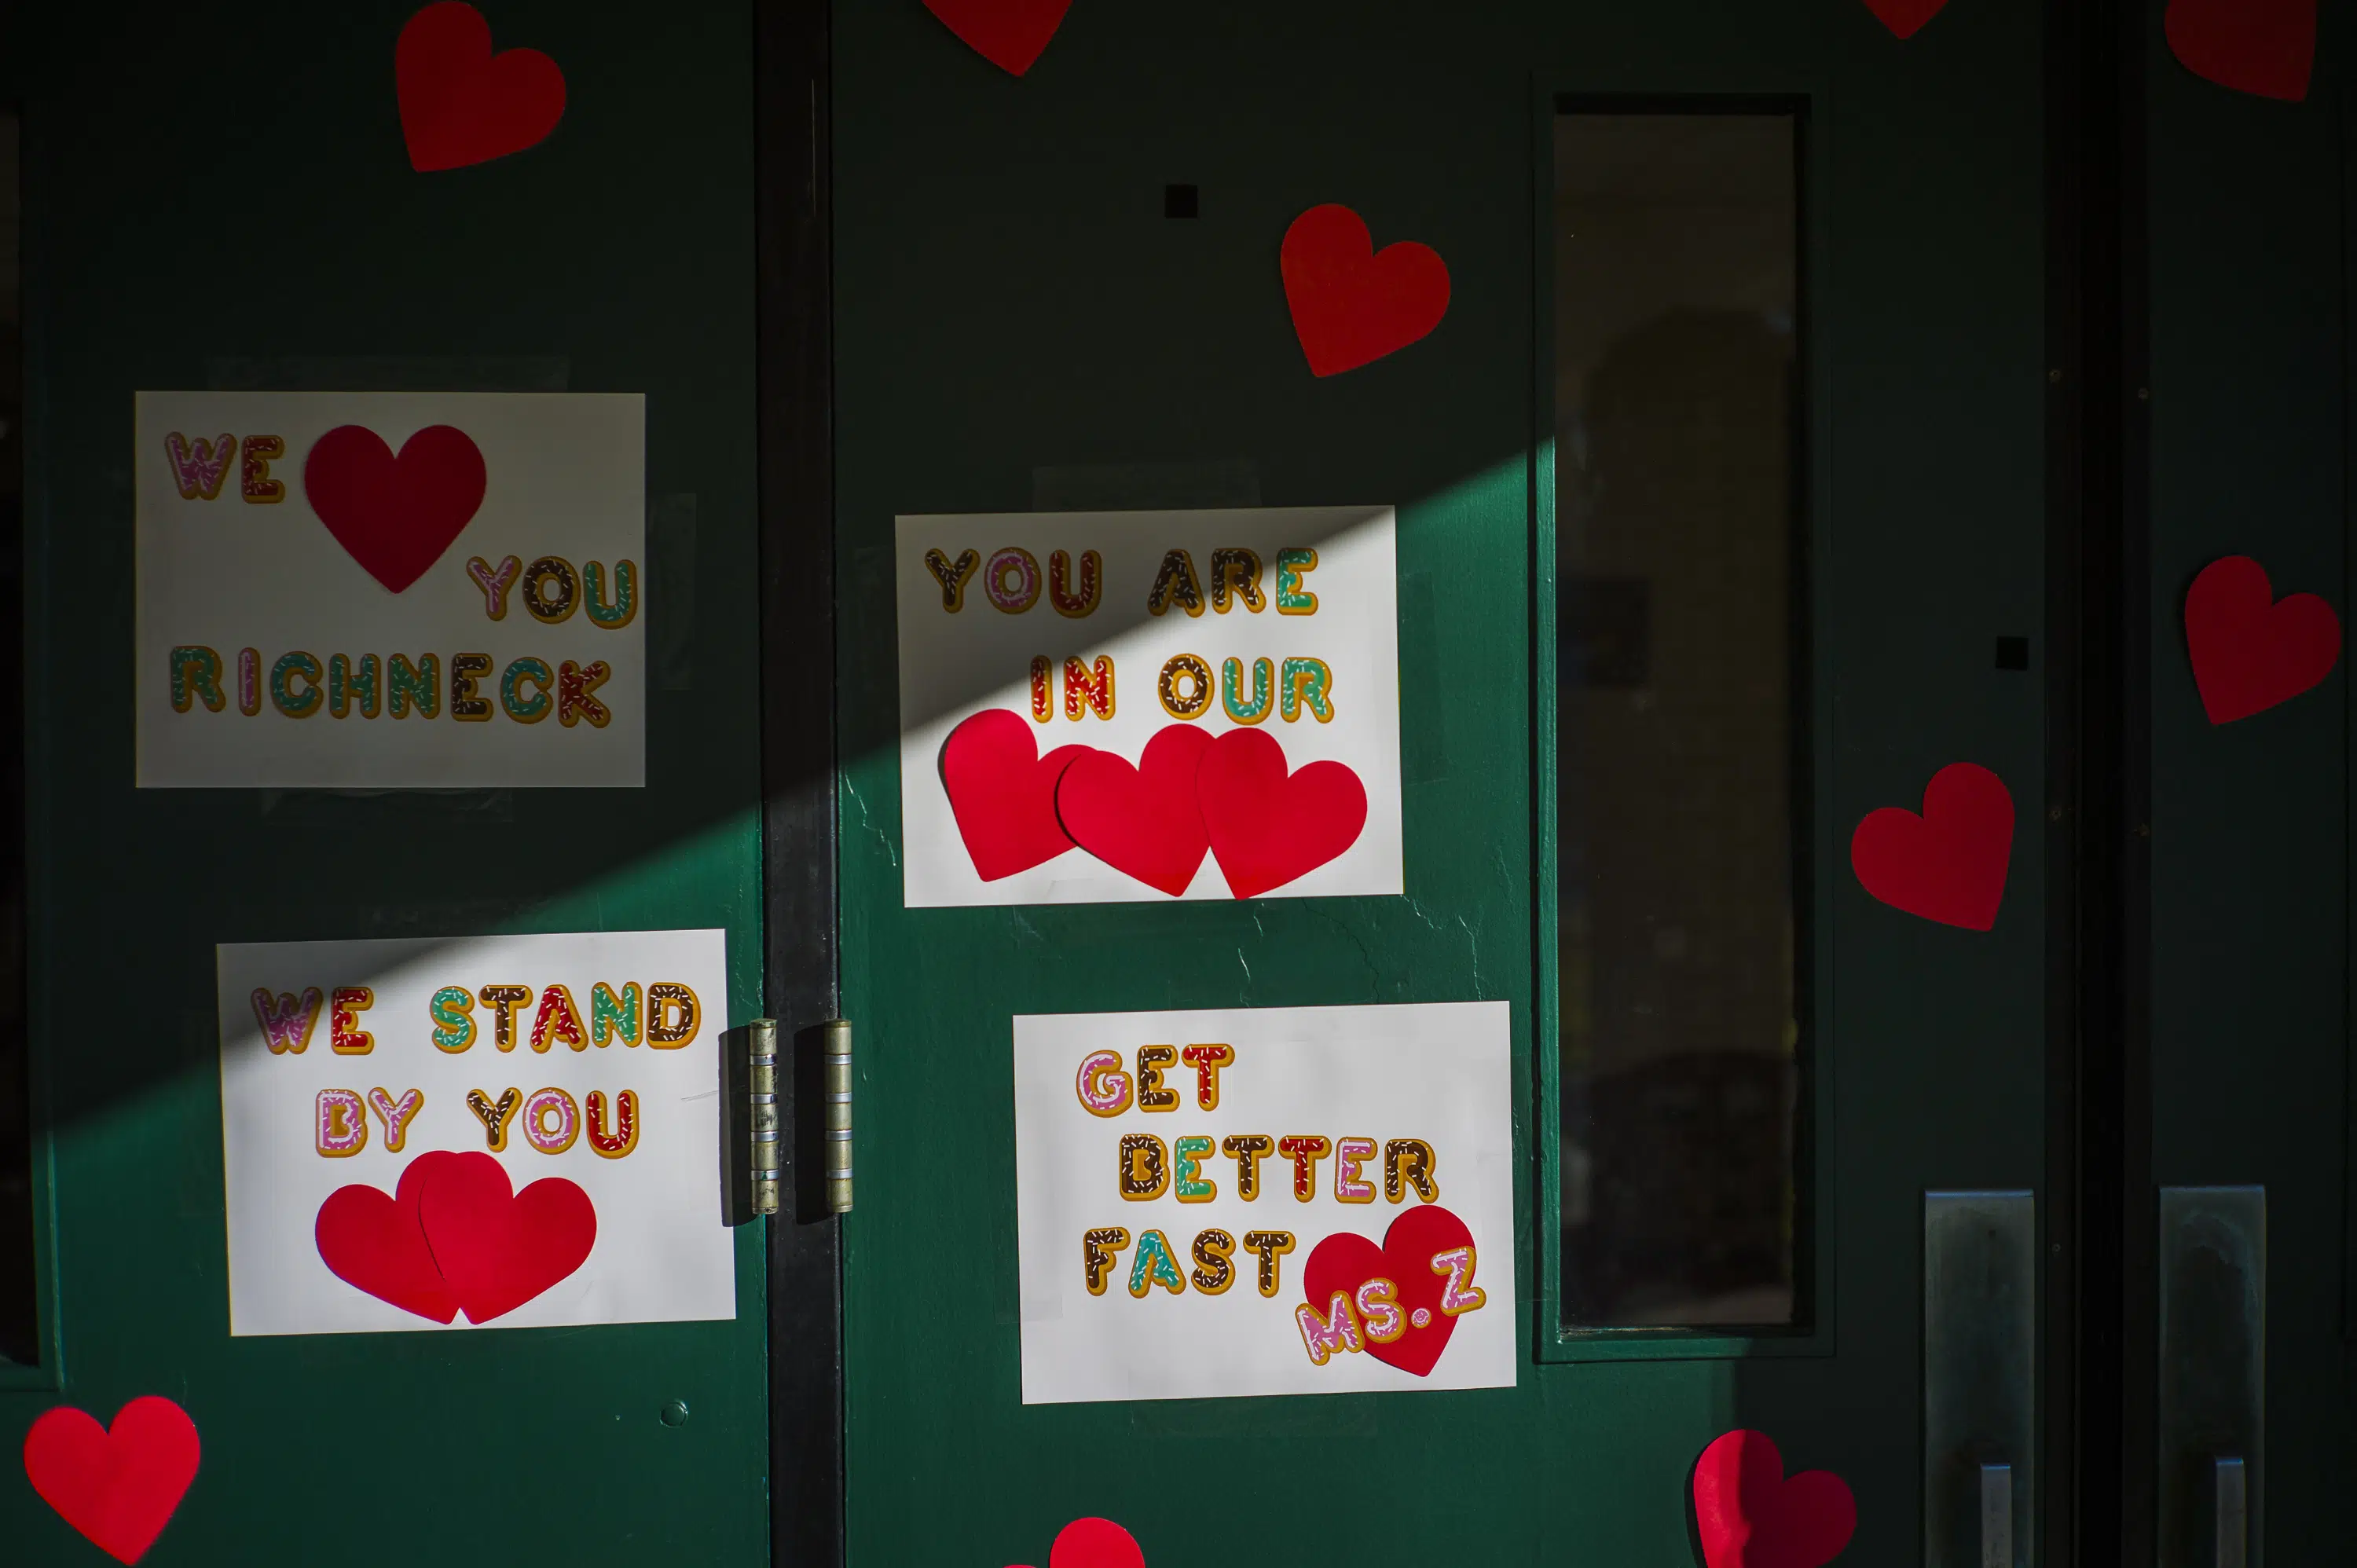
1896, 1020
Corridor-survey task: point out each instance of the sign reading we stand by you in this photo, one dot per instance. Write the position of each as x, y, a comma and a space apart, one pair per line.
1273, 1200
391, 589
520, 1131
1101, 708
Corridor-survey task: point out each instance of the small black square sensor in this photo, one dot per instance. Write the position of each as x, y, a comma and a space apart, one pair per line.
2013, 653
1180, 201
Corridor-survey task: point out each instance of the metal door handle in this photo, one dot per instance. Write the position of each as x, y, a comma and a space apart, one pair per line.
1997, 1515
2211, 1480
2233, 1482
1980, 1380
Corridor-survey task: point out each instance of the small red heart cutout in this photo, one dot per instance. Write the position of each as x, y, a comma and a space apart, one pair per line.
119, 1485
1003, 792
2249, 650
1009, 34
395, 516
1948, 865
1750, 1515
462, 104
375, 1242
498, 1248
1142, 821
1268, 828
1906, 18
2266, 48
1094, 1544
1344, 1260
1350, 303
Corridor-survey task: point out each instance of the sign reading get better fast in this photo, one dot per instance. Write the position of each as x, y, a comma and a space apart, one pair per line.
1265, 1202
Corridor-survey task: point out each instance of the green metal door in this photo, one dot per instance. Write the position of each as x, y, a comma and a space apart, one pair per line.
2239, 1349
219, 197
1062, 291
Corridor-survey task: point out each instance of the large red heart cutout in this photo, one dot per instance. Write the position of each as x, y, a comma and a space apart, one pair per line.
1750, 1515
117, 1485
2250, 651
1345, 1261
1350, 303
462, 104
1268, 828
454, 1237
375, 1242
2262, 47
1009, 34
1094, 1544
1948, 864
1003, 792
498, 1248
1906, 18
1143, 821
395, 516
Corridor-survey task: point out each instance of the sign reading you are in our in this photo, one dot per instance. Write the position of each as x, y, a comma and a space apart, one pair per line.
391, 589
1117, 706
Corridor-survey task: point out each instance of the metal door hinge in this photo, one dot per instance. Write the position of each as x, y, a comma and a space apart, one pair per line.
752, 1158
835, 1087
755, 1105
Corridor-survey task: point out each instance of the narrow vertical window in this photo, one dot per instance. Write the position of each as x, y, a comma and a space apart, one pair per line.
1680, 680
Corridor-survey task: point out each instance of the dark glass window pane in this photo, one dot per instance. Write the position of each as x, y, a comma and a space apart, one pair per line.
1681, 788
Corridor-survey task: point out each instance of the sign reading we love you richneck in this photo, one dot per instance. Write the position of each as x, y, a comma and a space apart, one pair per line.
391, 589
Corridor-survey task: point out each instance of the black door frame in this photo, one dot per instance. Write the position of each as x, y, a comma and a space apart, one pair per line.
2102, 1300
793, 260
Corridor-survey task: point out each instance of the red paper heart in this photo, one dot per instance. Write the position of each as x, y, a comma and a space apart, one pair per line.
2261, 47
1750, 1515
1003, 792
1267, 828
395, 516
1948, 864
462, 104
1345, 1261
1094, 1544
117, 1485
498, 1249
1906, 18
375, 1242
1351, 303
1009, 34
1143, 821
2249, 652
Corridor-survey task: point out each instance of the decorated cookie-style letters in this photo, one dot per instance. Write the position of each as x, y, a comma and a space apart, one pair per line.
367, 580
408, 1175
1232, 637
1406, 1303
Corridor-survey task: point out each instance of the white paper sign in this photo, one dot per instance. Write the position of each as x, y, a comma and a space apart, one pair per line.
518, 1131
391, 589
1100, 707
1285, 1200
